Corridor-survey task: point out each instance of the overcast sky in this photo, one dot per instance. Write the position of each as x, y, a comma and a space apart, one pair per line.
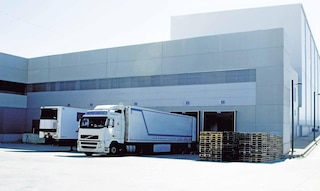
33, 28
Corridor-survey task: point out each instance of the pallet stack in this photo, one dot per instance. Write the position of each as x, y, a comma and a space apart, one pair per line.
259, 147
230, 148
275, 150
235, 146
245, 147
211, 146
253, 147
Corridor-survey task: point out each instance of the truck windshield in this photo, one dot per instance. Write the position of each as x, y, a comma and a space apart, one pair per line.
93, 122
49, 114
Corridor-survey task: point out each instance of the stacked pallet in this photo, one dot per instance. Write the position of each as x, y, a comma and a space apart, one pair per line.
259, 147
235, 146
275, 150
245, 147
230, 149
253, 147
211, 146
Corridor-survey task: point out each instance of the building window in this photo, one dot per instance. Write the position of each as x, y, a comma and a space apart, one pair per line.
217, 77
12, 87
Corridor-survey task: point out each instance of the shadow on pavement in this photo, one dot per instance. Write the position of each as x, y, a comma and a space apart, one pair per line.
21, 147
304, 141
30, 148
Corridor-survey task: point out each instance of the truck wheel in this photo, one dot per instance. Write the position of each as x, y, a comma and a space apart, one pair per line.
88, 154
114, 149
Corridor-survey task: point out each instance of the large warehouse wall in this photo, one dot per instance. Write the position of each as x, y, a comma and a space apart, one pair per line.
13, 99
202, 54
214, 73
13, 68
287, 17
304, 56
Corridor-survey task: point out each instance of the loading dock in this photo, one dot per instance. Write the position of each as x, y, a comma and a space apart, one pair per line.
219, 120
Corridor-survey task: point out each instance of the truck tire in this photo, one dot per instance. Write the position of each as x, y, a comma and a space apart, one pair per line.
114, 149
88, 154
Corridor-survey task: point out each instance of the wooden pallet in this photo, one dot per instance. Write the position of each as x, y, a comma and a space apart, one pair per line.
236, 146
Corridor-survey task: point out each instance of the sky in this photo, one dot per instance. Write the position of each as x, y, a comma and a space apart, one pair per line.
34, 28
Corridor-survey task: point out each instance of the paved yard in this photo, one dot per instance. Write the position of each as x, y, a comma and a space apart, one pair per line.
39, 167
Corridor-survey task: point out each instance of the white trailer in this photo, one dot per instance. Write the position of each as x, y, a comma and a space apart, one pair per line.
60, 124
115, 129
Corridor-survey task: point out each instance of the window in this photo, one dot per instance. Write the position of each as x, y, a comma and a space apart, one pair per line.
216, 77
93, 122
12, 87
49, 114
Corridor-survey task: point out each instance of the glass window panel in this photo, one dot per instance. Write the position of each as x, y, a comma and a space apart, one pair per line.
155, 81
149, 81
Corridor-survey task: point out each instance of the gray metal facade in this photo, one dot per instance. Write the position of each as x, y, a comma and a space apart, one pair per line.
229, 72
247, 71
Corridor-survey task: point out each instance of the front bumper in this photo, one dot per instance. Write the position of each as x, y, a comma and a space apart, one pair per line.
92, 146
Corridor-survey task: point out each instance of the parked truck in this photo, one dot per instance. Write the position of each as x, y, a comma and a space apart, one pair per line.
59, 124
117, 129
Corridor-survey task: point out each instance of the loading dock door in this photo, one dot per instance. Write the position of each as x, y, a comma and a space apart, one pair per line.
219, 121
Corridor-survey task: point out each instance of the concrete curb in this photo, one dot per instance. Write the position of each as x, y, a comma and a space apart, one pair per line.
308, 149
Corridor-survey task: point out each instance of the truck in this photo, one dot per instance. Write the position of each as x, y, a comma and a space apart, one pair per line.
119, 129
59, 124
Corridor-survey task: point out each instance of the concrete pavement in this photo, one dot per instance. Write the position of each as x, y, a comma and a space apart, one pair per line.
304, 145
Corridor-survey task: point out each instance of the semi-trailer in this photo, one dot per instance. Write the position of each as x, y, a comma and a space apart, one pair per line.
59, 124
118, 129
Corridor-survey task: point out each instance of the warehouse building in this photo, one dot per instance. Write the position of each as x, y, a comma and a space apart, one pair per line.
231, 70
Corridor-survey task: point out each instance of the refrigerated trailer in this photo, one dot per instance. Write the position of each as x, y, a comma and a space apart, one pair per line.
59, 124
118, 129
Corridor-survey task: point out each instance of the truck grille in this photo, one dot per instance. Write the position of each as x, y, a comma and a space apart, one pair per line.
89, 145
89, 136
89, 141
